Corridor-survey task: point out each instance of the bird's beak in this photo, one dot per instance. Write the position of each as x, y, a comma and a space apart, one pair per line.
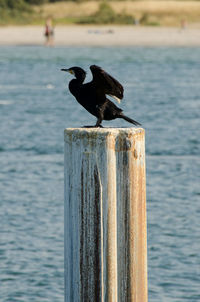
67, 70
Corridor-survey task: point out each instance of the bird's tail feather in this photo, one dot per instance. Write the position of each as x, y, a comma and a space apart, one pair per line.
128, 119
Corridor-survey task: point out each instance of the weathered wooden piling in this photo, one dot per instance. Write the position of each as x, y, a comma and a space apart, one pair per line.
105, 215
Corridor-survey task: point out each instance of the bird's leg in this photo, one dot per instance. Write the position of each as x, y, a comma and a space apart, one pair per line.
98, 123
100, 110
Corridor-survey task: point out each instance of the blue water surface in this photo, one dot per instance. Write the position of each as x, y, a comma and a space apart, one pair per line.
162, 91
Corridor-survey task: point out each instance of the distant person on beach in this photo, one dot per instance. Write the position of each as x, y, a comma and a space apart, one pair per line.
49, 32
183, 24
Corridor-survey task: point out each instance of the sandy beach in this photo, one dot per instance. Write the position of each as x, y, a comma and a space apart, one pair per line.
102, 36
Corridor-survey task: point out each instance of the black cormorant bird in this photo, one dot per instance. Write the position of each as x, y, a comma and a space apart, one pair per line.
93, 95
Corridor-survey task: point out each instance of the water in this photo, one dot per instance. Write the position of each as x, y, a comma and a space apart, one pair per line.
162, 92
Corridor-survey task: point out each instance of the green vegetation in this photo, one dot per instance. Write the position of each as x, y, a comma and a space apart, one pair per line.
18, 11
13, 4
146, 20
21, 12
14, 11
151, 12
20, 4
106, 15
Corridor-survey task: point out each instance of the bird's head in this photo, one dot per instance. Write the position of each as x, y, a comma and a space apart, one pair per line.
78, 72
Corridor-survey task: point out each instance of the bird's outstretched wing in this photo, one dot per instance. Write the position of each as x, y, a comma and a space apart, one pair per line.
106, 83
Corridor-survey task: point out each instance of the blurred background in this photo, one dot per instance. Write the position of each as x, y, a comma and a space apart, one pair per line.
144, 12
161, 92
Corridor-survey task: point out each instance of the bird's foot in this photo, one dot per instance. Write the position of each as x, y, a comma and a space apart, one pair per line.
95, 126
88, 126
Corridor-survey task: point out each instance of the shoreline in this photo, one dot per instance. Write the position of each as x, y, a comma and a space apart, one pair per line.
101, 35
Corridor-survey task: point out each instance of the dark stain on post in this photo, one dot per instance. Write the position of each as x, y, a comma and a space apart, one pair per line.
90, 234
124, 291
97, 231
126, 193
135, 154
82, 232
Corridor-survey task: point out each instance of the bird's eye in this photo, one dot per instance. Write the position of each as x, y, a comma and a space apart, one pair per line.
71, 71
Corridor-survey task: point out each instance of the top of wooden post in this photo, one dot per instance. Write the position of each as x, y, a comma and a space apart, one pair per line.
94, 132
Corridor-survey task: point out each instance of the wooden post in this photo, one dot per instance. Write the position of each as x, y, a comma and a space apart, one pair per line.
105, 215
